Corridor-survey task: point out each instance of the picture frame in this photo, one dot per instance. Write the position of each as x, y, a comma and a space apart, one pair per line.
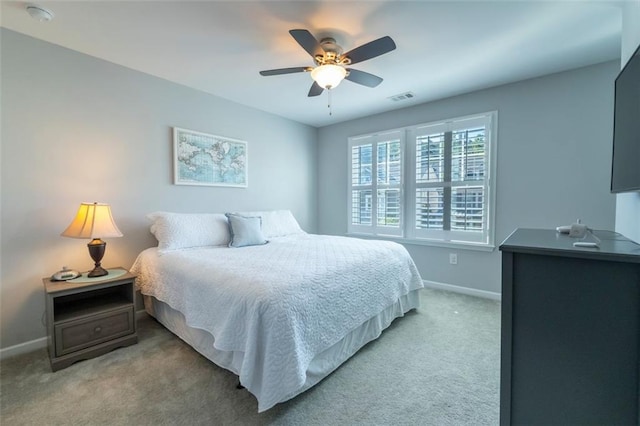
204, 159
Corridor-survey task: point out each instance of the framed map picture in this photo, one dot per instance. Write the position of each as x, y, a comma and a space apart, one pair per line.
203, 159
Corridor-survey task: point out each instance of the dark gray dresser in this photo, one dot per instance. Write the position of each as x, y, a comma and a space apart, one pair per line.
570, 330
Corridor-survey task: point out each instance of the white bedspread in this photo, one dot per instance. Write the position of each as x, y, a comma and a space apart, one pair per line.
282, 303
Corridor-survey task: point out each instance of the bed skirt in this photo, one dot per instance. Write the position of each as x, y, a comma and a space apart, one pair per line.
322, 364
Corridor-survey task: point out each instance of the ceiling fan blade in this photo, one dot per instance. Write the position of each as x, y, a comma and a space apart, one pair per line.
315, 90
307, 41
285, 71
363, 78
370, 50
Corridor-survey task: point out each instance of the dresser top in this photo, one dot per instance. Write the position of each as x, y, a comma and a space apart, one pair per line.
612, 246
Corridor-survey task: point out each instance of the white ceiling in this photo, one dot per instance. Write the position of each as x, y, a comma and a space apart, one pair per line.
443, 48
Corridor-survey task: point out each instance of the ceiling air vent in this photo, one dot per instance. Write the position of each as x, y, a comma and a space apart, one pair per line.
401, 97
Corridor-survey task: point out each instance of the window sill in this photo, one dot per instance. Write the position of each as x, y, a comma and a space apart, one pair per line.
460, 245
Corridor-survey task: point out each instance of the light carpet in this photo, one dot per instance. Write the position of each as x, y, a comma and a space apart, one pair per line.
439, 365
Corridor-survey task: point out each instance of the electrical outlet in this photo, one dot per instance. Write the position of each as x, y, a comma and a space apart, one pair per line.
453, 258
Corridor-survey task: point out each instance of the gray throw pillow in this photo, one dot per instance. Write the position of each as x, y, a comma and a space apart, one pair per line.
245, 231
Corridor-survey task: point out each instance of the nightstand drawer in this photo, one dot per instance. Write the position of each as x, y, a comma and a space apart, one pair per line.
74, 335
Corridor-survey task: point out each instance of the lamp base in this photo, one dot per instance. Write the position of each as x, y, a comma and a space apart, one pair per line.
98, 271
96, 250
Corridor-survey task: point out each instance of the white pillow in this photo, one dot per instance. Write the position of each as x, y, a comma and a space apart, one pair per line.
277, 223
176, 231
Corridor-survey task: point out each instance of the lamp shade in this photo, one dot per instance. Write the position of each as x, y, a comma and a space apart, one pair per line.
93, 220
328, 76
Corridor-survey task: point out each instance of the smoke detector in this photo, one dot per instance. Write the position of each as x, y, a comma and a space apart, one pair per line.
39, 13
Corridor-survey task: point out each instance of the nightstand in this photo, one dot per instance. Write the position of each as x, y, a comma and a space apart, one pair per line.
88, 317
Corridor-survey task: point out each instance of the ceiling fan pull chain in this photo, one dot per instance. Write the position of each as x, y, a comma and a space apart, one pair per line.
329, 104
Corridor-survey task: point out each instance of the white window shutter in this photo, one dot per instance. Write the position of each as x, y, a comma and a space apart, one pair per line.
438, 186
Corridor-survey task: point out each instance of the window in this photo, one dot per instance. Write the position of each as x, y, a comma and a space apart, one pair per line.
376, 184
435, 188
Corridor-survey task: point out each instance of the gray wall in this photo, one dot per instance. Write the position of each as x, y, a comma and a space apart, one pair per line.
554, 156
75, 128
628, 204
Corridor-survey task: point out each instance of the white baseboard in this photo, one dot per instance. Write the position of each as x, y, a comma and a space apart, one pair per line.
464, 290
23, 348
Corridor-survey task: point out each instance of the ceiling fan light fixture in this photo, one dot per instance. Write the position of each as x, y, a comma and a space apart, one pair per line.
328, 76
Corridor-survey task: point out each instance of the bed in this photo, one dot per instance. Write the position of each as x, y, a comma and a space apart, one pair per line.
281, 312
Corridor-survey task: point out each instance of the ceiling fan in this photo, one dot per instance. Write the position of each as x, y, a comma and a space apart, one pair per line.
331, 63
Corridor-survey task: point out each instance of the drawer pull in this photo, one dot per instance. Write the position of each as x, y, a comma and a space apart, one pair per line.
98, 329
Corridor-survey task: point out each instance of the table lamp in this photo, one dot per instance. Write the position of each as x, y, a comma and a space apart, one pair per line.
94, 221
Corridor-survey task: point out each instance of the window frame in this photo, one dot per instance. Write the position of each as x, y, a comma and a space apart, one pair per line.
408, 232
